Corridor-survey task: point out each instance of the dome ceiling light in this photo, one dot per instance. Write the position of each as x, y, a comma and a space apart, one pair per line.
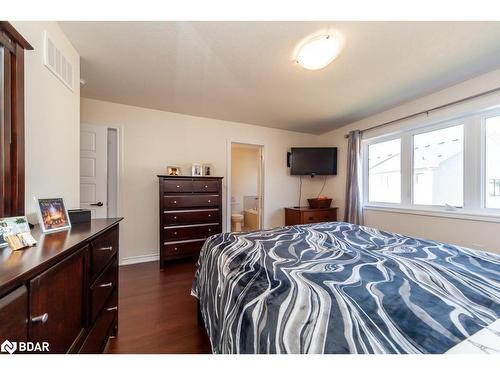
319, 51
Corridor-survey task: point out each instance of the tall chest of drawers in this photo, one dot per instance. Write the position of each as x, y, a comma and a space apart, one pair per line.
190, 212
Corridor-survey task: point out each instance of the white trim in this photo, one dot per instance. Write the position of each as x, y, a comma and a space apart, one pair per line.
140, 259
263, 182
436, 213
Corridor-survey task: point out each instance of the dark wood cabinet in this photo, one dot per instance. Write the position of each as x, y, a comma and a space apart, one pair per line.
57, 311
14, 315
190, 211
63, 291
306, 215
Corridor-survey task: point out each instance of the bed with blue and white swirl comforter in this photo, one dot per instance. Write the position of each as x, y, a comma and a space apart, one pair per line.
342, 288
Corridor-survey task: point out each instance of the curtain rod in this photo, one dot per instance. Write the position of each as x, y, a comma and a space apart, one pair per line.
432, 109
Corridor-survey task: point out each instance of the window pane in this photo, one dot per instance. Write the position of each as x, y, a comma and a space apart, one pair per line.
438, 167
384, 172
493, 162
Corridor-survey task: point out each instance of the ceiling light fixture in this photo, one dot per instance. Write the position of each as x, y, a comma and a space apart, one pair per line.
319, 51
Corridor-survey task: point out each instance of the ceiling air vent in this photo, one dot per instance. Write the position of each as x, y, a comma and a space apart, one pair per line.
57, 62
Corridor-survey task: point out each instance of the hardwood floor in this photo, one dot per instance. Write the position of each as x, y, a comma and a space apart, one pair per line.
157, 312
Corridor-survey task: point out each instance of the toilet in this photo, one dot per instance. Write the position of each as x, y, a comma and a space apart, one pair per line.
236, 222
236, 216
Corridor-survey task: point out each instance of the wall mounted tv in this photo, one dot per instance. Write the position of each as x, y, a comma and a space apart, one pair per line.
313, 161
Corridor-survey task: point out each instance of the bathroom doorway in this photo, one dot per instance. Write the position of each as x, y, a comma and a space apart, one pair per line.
246, 187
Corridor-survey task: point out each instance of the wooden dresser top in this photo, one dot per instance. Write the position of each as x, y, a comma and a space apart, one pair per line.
305, 208
20, 265
188, 177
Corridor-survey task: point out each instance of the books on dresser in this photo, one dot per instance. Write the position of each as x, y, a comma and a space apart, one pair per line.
190, 211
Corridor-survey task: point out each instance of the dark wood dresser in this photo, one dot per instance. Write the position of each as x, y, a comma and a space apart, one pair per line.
306, 215
190, 212
64, 290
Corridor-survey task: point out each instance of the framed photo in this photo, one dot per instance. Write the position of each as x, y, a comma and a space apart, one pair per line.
173, 171
52, 215
196, 169
208, 169
15, 232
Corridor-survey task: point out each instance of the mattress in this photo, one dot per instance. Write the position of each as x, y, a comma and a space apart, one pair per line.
342, 288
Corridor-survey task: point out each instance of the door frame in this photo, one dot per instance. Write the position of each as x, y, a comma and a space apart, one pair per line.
263, 182
119, 157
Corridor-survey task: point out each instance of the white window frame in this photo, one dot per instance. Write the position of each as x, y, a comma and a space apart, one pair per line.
484, 185
474, 172
366, 179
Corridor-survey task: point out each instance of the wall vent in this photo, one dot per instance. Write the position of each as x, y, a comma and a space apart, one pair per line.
57, 62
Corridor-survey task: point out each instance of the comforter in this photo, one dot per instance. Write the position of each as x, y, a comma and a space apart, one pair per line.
342, 288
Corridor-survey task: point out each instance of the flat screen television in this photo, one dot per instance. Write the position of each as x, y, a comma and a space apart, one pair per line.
320, 161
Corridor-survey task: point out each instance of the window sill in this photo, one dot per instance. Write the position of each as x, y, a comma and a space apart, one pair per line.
459, 215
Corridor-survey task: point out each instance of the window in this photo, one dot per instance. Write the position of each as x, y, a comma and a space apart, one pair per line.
438, 167
384, 171
448, 165
492, 162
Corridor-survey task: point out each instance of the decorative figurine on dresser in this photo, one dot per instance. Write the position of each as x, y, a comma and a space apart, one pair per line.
190, 212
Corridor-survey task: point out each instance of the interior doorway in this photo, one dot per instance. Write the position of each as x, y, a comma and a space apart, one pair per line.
246, 194
99, 170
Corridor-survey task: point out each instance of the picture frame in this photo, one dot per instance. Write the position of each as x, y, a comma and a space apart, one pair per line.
12, 225
52, 214
196, 170
208, 169
173, 170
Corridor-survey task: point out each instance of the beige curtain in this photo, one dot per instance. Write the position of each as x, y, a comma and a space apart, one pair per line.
353, 197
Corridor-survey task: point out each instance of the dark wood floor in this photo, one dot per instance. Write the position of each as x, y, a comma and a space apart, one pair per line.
157, 312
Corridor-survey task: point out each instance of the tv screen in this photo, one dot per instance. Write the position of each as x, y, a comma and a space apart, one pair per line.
313, 161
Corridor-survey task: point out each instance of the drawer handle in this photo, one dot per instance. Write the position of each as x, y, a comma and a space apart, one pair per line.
175, 233
209, 229
175, 217
209, 201
176, 249
178, 186
209, 215
175, 202
110, 248
112, 308
40, 318
105, 285
206, 186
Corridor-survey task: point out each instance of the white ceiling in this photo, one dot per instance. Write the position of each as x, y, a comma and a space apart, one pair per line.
244, 71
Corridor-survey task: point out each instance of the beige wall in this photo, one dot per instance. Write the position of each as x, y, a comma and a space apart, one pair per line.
244, 173
475, 234
153, 139
52, 115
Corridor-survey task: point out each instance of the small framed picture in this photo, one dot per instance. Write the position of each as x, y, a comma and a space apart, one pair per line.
196, 169
173, 171
207, 169
52, 215
12, 226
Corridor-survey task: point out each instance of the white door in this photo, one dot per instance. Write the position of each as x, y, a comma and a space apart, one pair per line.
93, 169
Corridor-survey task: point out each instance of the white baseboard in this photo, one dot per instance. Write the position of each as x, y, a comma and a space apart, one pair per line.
140, 259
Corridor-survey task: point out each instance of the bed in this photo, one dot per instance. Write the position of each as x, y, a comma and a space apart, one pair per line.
342, 288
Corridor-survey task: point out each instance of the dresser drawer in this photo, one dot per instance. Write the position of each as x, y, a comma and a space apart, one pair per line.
102, 288
182, 249
183, 201
191, 217
177, 186
191, 232
318, 216
205, 186
102, 250
14, 315
103, 327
